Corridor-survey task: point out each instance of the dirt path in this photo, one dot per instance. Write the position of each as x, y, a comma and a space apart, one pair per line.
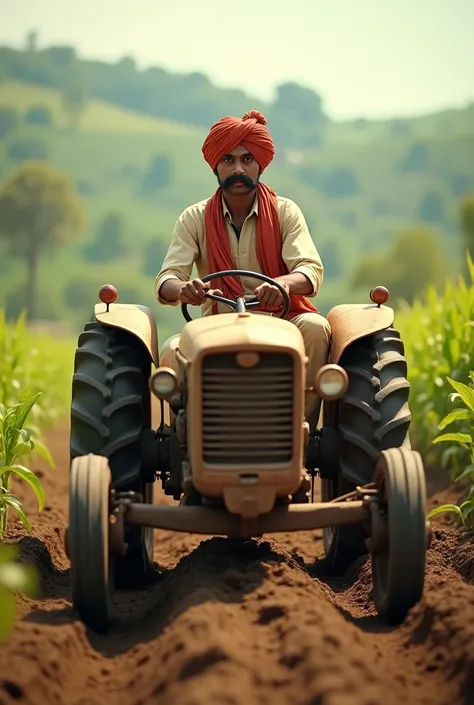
239, 625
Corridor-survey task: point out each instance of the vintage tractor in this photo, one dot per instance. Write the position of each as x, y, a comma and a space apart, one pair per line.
233, 447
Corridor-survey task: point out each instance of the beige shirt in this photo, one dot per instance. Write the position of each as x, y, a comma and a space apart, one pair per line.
188, 247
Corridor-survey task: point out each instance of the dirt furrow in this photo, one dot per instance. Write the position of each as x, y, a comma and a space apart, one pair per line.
238, 623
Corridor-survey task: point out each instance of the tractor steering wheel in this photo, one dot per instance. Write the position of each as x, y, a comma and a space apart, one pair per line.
241, 304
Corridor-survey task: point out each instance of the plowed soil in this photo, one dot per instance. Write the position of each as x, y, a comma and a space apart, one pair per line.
238, 624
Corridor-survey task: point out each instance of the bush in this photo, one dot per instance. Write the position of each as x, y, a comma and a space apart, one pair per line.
340, 182
39, 115
9, 120
26, 150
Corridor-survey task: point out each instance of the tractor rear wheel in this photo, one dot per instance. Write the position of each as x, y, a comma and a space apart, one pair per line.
110, 409
372, 416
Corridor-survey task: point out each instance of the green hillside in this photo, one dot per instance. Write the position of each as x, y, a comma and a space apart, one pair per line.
358, 191
98, 115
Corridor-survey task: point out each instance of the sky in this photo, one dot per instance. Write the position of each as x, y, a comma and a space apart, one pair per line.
371, 58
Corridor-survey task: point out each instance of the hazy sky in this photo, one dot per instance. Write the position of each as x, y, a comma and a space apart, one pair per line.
365, 57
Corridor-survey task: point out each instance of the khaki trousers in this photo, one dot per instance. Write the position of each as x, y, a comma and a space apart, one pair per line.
316, 333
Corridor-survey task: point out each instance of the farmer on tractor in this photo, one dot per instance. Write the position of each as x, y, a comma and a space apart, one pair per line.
245, 225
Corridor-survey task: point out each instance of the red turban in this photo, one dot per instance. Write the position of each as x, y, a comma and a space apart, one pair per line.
251, 132
229, 132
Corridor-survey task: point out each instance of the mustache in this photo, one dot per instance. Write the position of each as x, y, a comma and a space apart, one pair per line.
238, 179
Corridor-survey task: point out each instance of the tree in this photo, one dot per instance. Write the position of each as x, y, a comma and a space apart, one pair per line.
27, 150
74, 101
39, 209
297, 117
159, 175
330, 252
154, 254
416, 159
32, 40
399, 128
110, 241
9, 120
431, 208
39, 115
414, 262
340, 182
460, 184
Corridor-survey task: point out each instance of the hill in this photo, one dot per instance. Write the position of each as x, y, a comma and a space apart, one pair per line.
98, 115
366, 183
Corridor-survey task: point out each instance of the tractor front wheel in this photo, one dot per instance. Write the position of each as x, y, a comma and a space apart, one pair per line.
398, 534
372, 416
110, 410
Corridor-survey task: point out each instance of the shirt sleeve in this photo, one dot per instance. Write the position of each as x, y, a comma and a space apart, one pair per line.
298, 250
181, 256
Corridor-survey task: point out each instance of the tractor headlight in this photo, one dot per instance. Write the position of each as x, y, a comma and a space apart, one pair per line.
163, 382
331, 382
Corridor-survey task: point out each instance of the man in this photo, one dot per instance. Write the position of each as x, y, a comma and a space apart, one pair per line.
245, 225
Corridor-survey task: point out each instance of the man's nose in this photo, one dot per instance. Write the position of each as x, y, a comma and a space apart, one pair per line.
238, 168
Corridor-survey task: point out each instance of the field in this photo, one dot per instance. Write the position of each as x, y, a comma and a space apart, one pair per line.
259, 624
263, 621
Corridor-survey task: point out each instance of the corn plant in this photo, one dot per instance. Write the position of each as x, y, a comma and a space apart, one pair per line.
15, 442
465, 439
14, 578
439, 343
38, 361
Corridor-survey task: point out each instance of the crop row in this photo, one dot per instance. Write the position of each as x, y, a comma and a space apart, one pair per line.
34, 394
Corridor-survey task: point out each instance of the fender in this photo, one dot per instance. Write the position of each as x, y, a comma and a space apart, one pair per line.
135, 319
350, 322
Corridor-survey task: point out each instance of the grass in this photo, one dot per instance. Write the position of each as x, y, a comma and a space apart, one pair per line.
98, 117
445, 123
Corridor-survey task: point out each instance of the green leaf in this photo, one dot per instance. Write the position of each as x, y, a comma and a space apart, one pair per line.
44, 452
444, 509
466, 393
453, 438
14, 502
29, 477
467, 507
456, 415
468, 472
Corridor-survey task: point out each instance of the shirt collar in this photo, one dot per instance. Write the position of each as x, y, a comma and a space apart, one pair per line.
226, 211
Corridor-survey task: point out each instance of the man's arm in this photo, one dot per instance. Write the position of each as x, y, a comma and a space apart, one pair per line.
178, 263
299, 253
300, 256
296, 283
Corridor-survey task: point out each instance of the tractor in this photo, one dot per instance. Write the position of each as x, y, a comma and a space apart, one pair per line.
233, 448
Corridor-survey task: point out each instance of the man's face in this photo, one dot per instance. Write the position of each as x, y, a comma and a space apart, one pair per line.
238, 172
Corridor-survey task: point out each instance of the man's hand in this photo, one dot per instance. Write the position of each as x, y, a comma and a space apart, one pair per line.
269, 296
194, 292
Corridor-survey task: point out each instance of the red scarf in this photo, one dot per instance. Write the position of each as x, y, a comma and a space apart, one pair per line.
268, 249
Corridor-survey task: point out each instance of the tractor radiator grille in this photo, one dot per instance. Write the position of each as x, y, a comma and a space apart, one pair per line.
247, 412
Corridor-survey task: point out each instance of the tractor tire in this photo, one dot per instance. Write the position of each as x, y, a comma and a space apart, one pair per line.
110, 408
373, 416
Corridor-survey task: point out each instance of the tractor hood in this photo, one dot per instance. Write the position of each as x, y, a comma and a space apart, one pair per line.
239, 331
